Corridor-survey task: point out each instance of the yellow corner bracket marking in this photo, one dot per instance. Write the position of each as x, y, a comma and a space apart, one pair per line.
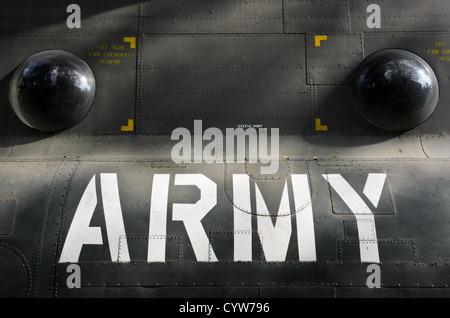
131, 40
319, 126
130, 126
320, 38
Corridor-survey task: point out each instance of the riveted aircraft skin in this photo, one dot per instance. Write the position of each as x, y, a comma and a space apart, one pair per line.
145, 197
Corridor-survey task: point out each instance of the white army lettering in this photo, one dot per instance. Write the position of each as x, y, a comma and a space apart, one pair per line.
275, 238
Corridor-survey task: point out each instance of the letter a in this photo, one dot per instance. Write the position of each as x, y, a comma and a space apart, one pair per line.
81, 233
374, 20
74, 279
373, 281
184, 145
74, 20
